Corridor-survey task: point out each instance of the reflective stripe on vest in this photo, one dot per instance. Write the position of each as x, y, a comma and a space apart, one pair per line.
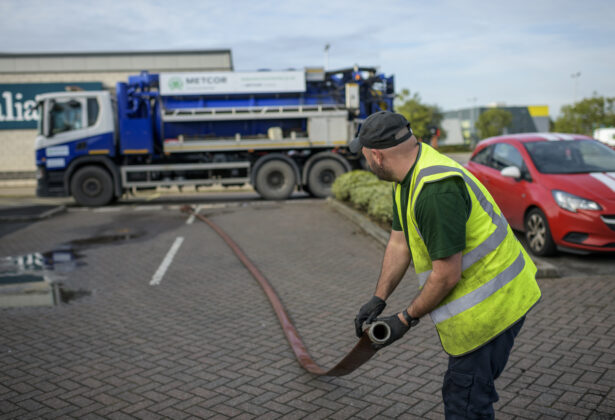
476, 296
492, 242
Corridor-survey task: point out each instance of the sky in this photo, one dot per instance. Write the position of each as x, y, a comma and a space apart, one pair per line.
454, 54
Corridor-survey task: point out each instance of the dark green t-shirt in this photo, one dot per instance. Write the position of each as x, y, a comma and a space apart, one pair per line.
442, 210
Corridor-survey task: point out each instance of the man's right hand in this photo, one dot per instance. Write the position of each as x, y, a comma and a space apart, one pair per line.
368, 313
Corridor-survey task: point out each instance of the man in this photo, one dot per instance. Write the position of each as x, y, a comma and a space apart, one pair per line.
476, 280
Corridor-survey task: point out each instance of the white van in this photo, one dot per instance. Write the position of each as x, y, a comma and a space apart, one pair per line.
605, 135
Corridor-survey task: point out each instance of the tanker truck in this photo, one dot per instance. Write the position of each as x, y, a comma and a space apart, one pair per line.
279, 131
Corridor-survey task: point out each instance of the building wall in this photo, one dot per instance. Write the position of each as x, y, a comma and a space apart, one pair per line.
17, 157
525, 119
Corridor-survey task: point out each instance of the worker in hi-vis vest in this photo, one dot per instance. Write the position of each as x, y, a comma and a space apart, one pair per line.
476, 281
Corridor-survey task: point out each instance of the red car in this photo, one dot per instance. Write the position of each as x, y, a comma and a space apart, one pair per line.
557, 188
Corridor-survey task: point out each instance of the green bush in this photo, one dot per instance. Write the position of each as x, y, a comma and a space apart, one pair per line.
366, 192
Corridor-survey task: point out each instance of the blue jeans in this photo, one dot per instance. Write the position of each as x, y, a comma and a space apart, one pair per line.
468, 390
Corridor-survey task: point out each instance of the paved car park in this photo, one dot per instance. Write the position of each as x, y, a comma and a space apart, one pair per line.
204, 342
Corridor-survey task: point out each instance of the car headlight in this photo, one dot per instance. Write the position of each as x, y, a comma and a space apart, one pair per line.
573, 203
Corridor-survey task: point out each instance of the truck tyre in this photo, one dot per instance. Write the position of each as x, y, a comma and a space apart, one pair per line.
275, 180
92, 186
538, 234
321, 177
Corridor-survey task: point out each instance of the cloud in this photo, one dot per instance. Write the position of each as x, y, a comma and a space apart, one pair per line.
518, 52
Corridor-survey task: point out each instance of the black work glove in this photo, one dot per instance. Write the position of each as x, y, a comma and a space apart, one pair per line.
398, 329
368, 313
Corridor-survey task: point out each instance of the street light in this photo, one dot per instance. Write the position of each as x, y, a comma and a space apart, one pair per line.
575, 78
473, 119
327, 47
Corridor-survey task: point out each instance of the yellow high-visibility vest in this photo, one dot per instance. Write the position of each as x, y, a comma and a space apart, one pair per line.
498, 279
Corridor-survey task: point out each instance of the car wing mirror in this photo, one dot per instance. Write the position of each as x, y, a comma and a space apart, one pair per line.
511, 172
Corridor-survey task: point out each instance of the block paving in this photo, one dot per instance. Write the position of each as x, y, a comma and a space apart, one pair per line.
206, 344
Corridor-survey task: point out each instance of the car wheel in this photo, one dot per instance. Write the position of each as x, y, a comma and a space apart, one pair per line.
538, 234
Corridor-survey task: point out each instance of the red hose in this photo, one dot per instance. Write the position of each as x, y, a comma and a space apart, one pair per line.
361, 352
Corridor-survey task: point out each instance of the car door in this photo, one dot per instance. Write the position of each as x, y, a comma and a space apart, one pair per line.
479, 164
510, 193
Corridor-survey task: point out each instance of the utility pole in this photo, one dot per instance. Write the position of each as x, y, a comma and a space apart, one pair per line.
473, 118
575, 78
327, 47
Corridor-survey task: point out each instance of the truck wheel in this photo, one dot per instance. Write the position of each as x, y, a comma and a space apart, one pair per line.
538, 234
92, 186
321, 176
275, 180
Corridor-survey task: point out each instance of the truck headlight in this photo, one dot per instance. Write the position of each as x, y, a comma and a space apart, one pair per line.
573, 203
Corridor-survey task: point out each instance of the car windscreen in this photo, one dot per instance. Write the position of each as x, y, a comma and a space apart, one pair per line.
572, 156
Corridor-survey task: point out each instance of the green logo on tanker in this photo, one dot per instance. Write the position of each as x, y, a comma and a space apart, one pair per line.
176, 83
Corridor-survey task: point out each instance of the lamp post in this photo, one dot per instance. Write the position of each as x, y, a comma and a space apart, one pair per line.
473, 119
327, 47
575, 78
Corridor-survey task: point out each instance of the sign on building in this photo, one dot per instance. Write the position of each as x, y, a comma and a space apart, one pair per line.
17, 105
214, 83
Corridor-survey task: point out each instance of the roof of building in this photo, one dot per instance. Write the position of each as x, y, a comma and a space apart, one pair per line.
106, 61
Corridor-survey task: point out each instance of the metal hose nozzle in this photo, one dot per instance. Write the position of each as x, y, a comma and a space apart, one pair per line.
379, 332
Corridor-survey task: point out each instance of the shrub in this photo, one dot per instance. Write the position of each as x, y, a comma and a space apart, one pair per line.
346, 183
366, 192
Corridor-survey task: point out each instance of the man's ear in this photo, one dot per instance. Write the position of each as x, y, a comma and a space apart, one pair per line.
376, 156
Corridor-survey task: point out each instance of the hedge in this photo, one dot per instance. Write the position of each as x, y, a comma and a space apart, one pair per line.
367, 193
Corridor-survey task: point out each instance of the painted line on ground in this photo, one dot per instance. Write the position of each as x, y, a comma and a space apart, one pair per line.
106, 209
191, 218
156, 207
168, 259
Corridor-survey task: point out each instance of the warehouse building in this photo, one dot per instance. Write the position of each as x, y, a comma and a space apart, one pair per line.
23, 76
460, 126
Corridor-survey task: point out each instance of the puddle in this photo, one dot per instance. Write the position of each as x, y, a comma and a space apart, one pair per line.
121, 235
67, 295
36, 279
62, 260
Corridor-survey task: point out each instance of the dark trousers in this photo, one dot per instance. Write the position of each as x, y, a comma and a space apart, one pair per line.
468, 390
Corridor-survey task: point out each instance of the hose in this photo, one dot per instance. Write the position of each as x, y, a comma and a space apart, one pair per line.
360, 353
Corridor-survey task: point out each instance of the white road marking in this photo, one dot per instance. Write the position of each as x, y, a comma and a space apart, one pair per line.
168, 259
106, 209
191, 218
148, 208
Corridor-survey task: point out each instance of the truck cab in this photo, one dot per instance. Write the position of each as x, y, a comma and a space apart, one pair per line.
76, 130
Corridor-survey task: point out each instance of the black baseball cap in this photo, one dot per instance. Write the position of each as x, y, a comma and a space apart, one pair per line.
382, 130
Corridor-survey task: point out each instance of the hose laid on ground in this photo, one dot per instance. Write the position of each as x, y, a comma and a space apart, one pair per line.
361, 352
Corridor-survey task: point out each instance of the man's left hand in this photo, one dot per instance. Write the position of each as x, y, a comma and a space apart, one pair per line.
398, 329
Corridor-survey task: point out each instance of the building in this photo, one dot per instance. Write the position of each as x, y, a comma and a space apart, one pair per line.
23, 76
460, 125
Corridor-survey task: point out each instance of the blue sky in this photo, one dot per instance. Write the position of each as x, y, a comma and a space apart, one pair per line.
453, 53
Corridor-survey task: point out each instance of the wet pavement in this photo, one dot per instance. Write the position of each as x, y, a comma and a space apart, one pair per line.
203, 341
